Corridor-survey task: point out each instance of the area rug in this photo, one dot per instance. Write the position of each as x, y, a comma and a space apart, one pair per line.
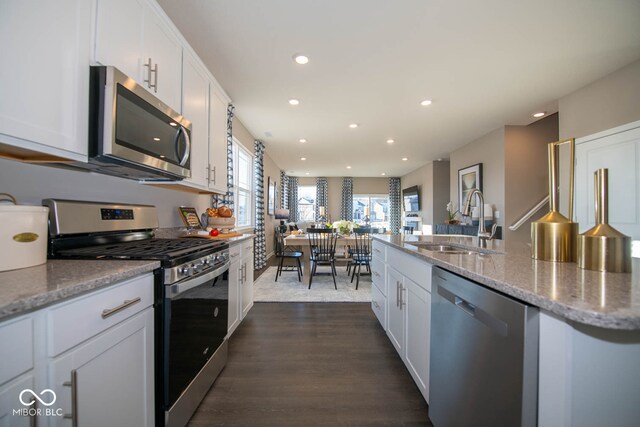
288, 289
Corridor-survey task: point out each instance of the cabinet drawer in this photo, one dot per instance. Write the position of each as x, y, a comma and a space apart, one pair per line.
379, 306
78, 320
235, 251
378, 274
417, 270
247, 248
16, 350
379, 250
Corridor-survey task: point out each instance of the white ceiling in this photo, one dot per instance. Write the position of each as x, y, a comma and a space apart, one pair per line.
483, 63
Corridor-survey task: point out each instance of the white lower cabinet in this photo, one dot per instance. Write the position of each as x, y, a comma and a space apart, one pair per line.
240, 282
405, 311
109, 379
94, 354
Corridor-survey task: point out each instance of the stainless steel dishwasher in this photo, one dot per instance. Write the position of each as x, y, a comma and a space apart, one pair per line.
484, 356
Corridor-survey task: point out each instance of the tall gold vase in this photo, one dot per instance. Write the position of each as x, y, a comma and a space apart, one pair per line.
602, 247
553, 237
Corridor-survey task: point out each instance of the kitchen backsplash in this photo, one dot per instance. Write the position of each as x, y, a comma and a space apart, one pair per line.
32, 183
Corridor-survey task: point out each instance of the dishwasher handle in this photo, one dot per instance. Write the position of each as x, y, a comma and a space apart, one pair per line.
495, 324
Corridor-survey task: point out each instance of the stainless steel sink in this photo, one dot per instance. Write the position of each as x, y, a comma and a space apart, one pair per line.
444, 249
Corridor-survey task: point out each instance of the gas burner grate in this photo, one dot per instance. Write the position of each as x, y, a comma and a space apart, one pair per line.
144, 249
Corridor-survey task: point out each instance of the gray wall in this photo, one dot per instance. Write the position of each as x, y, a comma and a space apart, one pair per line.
488, 150
433, 181
608, 102
31, 183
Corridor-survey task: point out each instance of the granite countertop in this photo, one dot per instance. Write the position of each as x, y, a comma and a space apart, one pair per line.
32, 288
607, 300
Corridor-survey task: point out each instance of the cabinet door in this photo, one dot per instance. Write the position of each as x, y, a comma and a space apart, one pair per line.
235, 272
163, 48
395, 316
195, 107
44, 79
247, 285
114, 376
218, 141
118, 36
10, 401
417, 312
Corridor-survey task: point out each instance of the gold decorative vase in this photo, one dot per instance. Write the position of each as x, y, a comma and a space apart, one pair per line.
553, 237
603, 248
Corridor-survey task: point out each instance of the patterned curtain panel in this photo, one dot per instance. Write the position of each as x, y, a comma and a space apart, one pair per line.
346, 211
260, 242
227, 199
284, 190
293, 198
395, 207
321, 197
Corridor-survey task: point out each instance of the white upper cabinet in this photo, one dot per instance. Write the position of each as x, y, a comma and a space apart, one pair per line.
195, 107
44, 79
218, 140
132, 36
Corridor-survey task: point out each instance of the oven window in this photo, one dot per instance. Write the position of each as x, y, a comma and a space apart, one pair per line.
197, 324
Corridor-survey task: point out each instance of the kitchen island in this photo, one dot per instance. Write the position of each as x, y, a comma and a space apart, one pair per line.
589, 322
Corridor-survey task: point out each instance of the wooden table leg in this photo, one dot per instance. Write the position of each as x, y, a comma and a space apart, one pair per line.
306, 266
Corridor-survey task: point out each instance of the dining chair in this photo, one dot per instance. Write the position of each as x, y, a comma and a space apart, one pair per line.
322, 251
283, 254
407, 229
361, 255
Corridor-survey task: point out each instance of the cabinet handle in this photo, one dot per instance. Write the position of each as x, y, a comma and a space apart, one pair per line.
155, 78
148, 79
397, 294
111, 311
214, 174
376, 273
73, 416
33, 419
234, 255
377, 250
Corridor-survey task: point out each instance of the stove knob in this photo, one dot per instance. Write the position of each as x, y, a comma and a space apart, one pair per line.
206, 261
197, 268
185, 271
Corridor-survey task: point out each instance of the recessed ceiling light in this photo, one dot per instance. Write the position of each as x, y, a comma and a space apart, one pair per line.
294, 101
425, 102
390, 141
307, 173
156, 139
383, 174
300, 59
173, 124
302, 140
303, 158
348, 167
404, 159
540, 114
353, 125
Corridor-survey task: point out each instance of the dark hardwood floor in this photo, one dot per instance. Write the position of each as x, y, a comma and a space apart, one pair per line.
312, 364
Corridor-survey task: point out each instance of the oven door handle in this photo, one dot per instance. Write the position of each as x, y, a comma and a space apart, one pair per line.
179, 288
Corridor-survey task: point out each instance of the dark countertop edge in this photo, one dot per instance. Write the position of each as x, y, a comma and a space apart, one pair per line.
36, 302
586, 317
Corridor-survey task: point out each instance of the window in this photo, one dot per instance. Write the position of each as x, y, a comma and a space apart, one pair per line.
243, 185
307, 203
376, 205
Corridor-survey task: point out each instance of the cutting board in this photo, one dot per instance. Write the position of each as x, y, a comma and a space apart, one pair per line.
220, 236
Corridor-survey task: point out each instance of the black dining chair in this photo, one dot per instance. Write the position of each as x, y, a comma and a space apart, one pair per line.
322, 251
407, 229
283, 254
361, 255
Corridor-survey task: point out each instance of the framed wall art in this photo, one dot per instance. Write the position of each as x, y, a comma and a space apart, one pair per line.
468, 179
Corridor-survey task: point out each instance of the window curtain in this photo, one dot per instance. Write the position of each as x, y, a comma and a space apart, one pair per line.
284, 190
259, 243
395, 207
347, 199
227, 199
293, 199
321, 197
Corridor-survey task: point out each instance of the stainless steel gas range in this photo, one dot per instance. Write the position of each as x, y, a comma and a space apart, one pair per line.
191, 292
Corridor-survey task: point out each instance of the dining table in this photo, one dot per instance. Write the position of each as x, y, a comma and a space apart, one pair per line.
302, 241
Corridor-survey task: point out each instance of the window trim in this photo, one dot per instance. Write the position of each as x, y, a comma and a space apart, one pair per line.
237, 146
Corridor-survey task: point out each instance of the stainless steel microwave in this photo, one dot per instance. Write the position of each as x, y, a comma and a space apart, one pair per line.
132, 134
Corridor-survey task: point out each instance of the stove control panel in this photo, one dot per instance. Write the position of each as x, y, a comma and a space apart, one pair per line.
192, 268
110, 214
